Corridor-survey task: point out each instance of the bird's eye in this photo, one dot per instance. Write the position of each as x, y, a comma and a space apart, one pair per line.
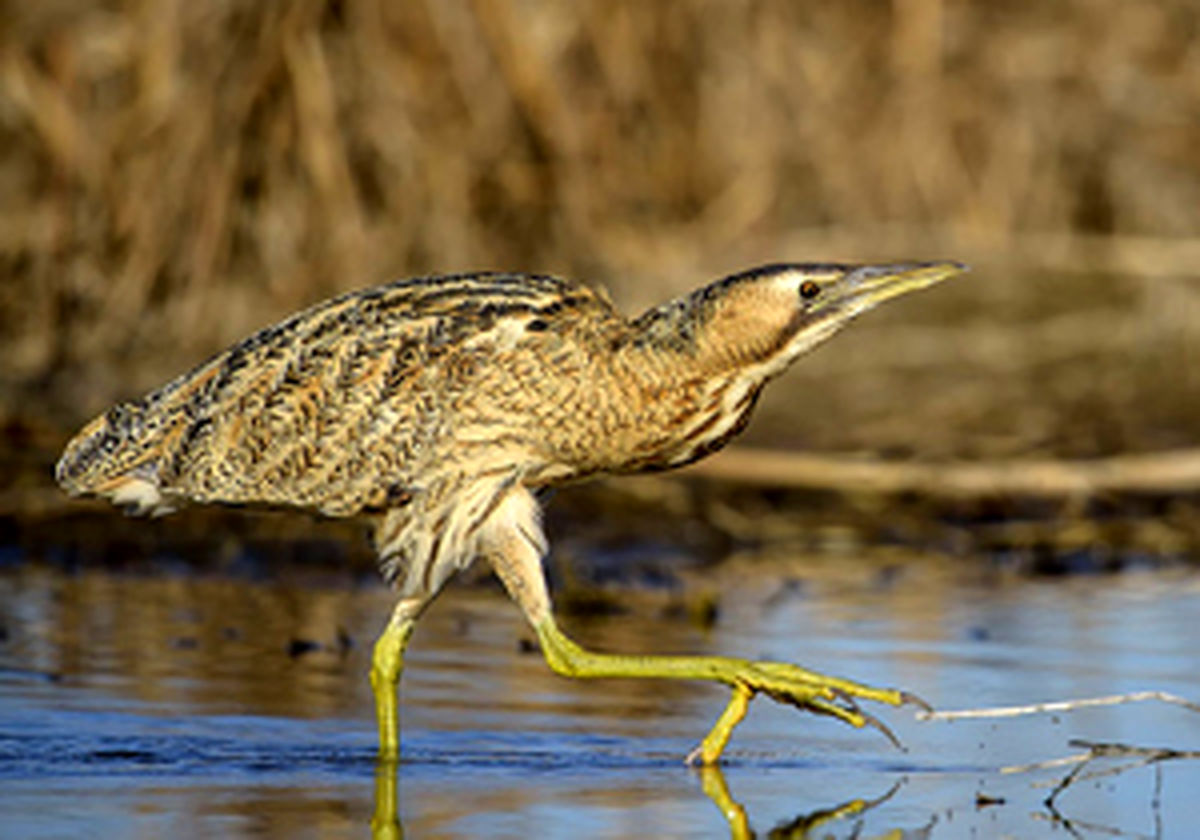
809, 290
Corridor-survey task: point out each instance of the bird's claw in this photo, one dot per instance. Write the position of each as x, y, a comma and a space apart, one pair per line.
795, 686
907, 698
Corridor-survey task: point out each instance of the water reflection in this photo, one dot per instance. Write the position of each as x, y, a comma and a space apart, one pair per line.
799, 827
386, 825
385, 821
170, 704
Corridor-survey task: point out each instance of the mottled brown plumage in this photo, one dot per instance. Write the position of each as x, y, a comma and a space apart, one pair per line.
436, 405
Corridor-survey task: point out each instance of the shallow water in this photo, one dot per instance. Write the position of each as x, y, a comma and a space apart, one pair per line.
169, 704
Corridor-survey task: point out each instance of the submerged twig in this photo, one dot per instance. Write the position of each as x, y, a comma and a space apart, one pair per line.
1047, 764
1075, 827
1096, 750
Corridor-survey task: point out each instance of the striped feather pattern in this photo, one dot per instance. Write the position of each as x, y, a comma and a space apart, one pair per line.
432, 403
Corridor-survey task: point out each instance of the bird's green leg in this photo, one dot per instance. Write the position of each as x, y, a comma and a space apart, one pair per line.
782, 682
515, 545
709, 750
387, 663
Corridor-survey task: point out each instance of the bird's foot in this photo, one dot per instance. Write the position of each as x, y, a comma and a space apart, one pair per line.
804, 689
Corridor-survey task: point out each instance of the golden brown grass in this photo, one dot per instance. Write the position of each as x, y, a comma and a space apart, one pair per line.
174, 175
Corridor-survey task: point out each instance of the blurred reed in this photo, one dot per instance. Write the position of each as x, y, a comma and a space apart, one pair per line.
174, 175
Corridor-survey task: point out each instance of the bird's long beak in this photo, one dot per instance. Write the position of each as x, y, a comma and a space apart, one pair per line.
848, 291
870, 285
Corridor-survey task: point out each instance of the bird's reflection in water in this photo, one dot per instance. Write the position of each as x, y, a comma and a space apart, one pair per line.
385, 821
712, 781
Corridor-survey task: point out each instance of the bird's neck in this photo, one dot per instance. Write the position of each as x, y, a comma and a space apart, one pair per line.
688, 393
695, 337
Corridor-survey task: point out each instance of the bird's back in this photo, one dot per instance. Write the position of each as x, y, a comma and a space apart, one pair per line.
340, 408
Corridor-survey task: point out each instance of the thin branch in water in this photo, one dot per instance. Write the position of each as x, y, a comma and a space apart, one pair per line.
1097, 750
1074, 827
1076, 776
1060, 706
1047, 764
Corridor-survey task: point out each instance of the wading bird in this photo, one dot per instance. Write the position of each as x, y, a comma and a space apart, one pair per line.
440, 406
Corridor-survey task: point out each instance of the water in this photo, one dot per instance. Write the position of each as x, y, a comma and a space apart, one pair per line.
165, 704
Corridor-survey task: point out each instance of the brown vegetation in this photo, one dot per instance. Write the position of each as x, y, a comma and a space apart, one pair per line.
174, 175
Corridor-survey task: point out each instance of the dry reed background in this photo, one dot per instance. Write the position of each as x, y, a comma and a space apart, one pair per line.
174, 175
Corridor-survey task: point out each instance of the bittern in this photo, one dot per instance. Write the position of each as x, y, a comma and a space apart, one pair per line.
441, 406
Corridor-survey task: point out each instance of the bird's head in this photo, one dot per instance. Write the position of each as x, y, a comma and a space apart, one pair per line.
766, 317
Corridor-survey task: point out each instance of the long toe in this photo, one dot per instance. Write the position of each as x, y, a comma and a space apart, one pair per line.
787, 679
822, 695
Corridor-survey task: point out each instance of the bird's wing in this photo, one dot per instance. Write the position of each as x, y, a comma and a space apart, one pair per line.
340, 408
